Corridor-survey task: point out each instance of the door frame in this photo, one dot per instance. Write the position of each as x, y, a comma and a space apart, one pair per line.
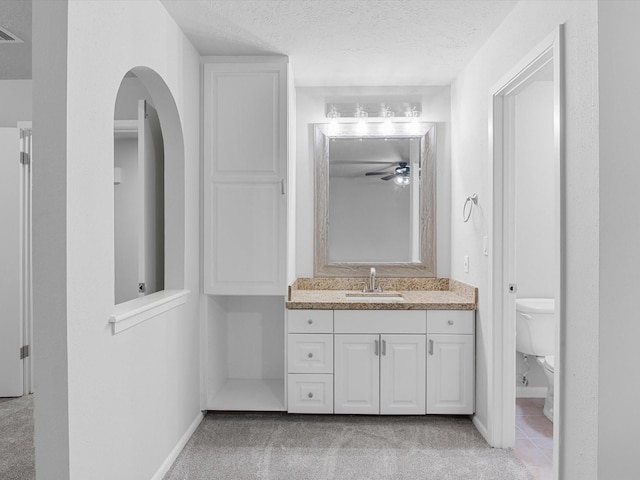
501, 415
26, 271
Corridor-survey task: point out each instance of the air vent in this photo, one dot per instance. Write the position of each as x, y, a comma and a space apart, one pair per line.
7, 37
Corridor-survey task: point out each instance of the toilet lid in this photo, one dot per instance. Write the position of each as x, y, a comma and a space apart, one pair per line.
551, 362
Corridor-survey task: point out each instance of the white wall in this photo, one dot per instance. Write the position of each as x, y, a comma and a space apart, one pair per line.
370, 220
108, 406
16, 99
535, 191
525, 27
619, 226
436, 108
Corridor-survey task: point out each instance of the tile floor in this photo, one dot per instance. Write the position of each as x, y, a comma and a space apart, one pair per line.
534, 438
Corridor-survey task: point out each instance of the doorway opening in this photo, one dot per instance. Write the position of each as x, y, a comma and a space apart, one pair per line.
526, 274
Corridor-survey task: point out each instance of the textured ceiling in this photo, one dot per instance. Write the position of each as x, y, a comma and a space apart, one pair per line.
330, 42
15, 58
347, 42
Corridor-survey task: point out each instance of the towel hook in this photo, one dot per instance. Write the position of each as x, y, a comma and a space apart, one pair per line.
471, 201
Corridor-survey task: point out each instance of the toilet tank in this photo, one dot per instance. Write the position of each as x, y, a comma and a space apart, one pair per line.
535, 326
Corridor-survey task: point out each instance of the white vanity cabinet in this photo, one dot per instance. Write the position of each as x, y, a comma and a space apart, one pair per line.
385, 362
382, 369
245, 176
380, 374
310, 361
450, 361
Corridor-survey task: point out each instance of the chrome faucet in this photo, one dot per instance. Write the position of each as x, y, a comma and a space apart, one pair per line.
371, 288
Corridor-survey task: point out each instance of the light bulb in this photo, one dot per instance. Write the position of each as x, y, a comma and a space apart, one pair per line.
401, 180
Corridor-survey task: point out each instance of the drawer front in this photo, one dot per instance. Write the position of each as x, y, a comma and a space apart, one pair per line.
451, 321
309, 393
310, 353
380, 321
310, 321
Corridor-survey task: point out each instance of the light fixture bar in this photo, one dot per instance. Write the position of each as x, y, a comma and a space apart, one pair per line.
398, 109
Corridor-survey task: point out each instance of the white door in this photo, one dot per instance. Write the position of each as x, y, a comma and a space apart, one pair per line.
357, 374
11, 366
402, 374
450, 374
151, 200
245, 169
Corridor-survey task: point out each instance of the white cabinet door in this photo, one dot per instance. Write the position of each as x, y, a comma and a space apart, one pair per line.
450, 374
310, 353
245, 170
357, 374
402, 375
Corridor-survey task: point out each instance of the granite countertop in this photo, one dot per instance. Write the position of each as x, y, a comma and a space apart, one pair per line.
417, 294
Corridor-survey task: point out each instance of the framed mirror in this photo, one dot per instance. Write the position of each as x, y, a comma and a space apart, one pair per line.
375, 200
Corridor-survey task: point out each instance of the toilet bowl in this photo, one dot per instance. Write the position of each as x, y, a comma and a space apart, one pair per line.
535, 335
547, 364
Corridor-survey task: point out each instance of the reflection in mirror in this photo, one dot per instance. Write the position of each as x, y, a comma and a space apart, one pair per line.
375, 201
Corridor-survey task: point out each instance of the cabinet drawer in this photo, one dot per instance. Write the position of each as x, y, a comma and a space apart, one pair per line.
380, 321
310, 393
310, 321
310, 353
451, 321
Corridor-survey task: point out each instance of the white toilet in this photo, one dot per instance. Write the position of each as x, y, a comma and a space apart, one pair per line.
535, 335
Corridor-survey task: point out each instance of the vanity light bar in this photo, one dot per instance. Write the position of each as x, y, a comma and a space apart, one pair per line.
372, 110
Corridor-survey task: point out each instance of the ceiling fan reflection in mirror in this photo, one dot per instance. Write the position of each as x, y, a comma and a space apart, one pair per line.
400, 174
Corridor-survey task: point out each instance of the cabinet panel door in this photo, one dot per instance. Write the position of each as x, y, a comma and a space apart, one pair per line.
402, 375
245, 120
244, 244
356, 374
310, 393
310, 353
450, 374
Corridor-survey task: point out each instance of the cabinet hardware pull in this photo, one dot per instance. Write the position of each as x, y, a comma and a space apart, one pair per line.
310, 395
430, 347
384, 347
283, 185
309, 321
376, 347
310, 355
450, 322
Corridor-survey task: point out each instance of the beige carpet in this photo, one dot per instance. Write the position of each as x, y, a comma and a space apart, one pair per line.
310, 447
17, 453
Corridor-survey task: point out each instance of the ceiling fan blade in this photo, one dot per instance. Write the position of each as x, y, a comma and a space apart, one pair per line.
388, 177
376, 173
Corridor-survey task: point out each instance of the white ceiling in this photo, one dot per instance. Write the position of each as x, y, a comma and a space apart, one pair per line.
347, 42
329, 42
15, 58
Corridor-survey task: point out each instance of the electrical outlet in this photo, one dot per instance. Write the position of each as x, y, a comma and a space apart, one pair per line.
466, 264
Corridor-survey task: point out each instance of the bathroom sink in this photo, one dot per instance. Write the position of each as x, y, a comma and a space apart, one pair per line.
373, 296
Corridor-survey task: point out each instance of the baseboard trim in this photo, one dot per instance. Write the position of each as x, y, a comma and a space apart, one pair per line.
481, 428
166, 465
531, 392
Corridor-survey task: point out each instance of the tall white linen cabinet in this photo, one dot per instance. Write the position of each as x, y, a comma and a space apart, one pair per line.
248, 214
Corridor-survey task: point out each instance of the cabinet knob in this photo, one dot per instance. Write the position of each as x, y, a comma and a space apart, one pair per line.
310, 355
310, 395
309, 321
450, 322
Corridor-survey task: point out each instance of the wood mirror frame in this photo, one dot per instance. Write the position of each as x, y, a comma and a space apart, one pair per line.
426, 267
